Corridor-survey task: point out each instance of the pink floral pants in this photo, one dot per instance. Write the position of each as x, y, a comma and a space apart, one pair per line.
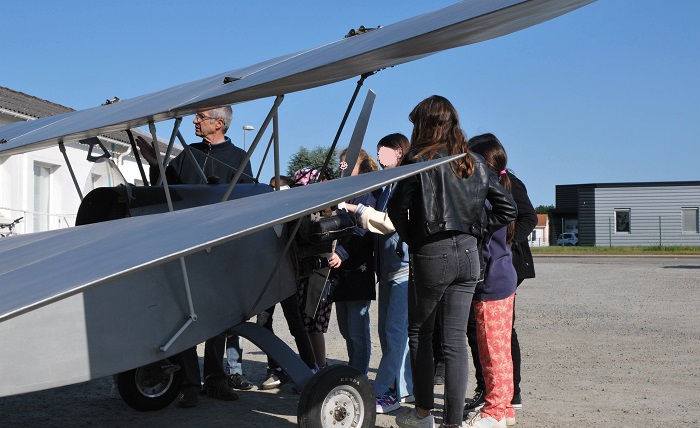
494, 323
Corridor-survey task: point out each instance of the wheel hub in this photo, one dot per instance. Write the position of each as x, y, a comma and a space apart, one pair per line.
342, 408
153, 380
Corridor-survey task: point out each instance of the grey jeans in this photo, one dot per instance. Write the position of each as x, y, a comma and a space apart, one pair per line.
443, 274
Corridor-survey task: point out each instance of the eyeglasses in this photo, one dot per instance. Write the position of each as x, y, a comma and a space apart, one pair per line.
200, 117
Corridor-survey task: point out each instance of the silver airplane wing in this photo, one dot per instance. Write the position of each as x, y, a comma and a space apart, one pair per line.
457, 25
42, 268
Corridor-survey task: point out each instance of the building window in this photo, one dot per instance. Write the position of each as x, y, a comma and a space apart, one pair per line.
42, 197
689, 220
622, 220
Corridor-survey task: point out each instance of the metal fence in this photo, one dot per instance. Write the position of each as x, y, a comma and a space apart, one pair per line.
31, 218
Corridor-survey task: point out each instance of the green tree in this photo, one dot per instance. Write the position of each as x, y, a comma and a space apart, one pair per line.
544, 209
311, 158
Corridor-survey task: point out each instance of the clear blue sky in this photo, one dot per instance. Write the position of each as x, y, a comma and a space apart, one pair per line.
607, 93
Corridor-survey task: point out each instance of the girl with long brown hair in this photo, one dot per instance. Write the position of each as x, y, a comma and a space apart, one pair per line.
446, 224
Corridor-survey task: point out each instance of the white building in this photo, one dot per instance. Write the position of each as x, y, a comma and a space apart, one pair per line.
37, 185
540, 235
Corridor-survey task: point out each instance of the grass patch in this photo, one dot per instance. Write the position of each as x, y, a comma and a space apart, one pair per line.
647, 250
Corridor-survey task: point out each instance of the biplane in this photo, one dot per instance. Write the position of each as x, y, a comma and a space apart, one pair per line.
161, 292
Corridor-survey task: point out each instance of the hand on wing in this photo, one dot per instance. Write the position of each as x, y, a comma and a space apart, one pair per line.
351, 207
334, 261
146, 150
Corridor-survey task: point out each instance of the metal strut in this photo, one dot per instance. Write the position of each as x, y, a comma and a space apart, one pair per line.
262, 163
253, 145
322, 174
192, 316
190, 156
137, 156
169, 149
277, 265
70, 168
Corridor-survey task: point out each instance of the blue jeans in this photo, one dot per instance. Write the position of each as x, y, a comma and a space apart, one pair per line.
353, 323
443, 273
234, 355
393, 338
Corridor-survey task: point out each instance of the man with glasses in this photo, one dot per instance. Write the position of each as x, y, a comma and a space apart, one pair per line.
218, 158
216, 154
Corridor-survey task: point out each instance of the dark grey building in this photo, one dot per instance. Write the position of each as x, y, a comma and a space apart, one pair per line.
628, 214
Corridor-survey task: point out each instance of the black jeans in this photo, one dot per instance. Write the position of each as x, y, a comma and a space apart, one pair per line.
443, 275
290, 307
214, 349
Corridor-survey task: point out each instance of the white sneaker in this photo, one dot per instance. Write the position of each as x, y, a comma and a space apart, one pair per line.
408, 399
275, 379
488, 422
411, 419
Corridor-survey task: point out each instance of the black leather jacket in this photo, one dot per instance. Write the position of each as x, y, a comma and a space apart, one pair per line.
436, 201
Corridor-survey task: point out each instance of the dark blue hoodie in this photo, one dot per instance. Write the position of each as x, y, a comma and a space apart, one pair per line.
500, 278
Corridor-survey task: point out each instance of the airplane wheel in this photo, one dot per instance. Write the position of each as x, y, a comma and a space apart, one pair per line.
336, 396
151, 387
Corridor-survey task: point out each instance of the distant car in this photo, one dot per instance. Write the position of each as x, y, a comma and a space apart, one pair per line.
568, 239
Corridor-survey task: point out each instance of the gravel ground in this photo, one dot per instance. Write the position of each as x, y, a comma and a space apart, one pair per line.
605, 342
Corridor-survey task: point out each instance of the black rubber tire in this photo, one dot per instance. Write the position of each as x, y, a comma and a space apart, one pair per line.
151, 387
337, 395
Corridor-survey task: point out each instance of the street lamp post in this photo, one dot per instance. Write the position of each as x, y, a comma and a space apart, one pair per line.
246, 128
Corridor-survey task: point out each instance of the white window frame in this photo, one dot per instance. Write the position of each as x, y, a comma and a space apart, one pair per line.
41, 217
627, 211
692, 214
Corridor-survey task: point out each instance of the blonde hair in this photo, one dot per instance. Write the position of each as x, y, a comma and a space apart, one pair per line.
364, 160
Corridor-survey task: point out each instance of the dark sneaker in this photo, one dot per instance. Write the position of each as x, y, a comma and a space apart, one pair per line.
439, 374
188, 398
275, 379
516, 402
476, 403
222, 391
237, 381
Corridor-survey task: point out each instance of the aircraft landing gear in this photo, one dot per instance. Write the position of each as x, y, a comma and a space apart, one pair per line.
337, 395
151, 387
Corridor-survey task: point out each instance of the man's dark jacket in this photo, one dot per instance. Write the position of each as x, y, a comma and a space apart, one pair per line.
219, 170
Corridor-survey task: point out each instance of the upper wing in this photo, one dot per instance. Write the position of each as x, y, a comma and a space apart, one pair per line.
458, 25
41, 268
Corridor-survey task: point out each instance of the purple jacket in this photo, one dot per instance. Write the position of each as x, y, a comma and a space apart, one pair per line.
500, 278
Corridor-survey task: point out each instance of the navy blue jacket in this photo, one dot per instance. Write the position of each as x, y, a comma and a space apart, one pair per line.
500, 279
355, 277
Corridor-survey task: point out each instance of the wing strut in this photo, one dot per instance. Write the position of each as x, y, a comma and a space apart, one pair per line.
276, 136
262, 163
253, 145
342, 123
70, 168
192, 316
135, 150
358, 134
190, 156
292, 235
353, 153
169, 151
